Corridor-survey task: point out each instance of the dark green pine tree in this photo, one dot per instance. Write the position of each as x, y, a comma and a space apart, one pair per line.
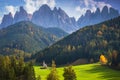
11, 74
6, 70
53, 74
29, 72
2, 68
15, 69
69, 73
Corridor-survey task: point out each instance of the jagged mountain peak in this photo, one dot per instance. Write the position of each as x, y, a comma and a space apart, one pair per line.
88, 12
45, 7
21, 8
111, 10
61, 10
105, 7
98, 16
55, 9
105, 10
57, 17
53, 18
7, 20
10, 13
21, 15
97, 10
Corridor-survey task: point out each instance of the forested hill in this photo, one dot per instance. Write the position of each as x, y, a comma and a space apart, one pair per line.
27, 37
88, 43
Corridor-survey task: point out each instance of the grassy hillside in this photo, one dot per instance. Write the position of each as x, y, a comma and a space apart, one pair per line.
84, 72
27, 36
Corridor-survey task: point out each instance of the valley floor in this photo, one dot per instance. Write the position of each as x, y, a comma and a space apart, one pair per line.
84, 72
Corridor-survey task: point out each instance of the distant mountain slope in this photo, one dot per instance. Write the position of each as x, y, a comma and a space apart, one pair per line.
98, 16
88, 43
56, 31
27, 36
54, 18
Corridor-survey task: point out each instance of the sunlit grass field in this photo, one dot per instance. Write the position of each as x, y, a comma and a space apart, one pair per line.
84, 72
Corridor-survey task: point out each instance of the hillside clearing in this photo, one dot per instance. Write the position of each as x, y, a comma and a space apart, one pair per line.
84, 72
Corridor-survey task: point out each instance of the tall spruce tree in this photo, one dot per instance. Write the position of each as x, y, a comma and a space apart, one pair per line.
53, 74
69, 73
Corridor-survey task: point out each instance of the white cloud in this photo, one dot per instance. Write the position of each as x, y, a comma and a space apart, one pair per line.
11, 9
92, 4
81, 10
86, 2
7, 9
32, 5
89, 5
102, 4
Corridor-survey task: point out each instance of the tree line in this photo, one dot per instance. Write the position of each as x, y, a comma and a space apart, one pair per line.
69, 73
112, 59
14, 68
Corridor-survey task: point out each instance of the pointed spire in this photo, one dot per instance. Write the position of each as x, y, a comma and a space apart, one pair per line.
55, 9
44, 7
10, 13
21, 8
97, 10
88, 12
105, 9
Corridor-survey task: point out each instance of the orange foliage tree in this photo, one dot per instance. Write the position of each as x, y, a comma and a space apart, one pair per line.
103, 60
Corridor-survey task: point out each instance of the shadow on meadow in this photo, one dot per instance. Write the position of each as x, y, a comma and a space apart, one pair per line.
104, 72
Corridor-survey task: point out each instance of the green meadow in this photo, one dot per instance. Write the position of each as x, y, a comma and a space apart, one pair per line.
84, 72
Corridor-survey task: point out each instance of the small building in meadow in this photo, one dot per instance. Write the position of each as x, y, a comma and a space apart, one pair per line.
44, 66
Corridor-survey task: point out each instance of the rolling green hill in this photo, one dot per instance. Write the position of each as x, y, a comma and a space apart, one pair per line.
27, 36
83, 72
87, 43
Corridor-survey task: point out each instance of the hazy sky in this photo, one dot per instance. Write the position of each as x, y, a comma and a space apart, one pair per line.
74, 8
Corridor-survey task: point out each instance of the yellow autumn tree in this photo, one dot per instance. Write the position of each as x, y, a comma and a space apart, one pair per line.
103, 60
